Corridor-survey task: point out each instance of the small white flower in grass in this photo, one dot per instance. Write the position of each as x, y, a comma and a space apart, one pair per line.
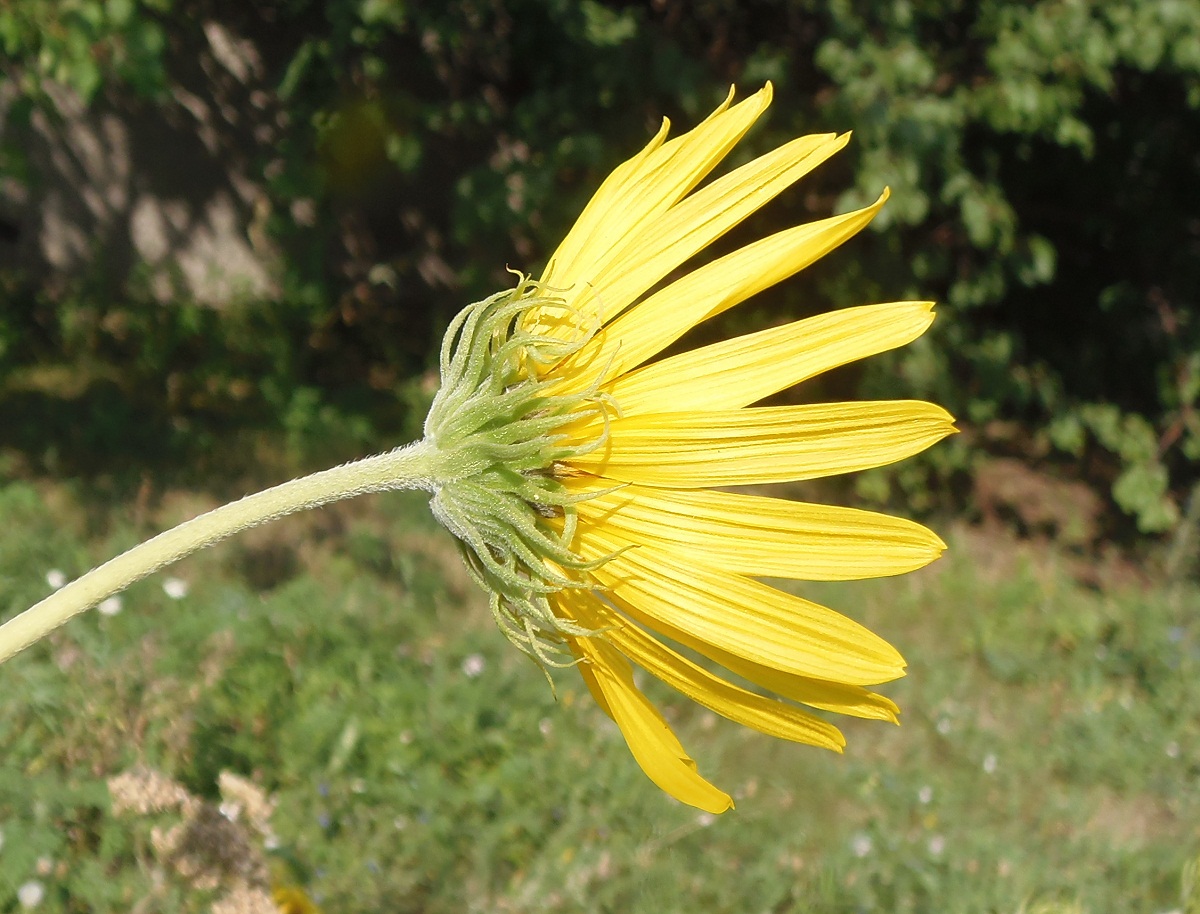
1172, 749
937, 844
705, 819
989, 763
546, 727
31, 894
925, 795
176, 588
943, 726
473, 666
55, 578
109, 607
861, 845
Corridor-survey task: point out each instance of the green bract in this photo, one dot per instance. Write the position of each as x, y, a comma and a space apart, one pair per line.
499, 450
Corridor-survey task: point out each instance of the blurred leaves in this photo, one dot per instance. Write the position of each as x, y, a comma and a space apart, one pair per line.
1042, 157
84, 44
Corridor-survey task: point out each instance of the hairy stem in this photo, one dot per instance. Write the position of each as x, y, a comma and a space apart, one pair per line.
404, 468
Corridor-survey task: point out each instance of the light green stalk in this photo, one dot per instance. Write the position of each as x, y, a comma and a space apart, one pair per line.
409, 467
493, 450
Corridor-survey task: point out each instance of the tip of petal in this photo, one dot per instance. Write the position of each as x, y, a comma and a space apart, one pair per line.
938, 544
896, 668
765, 95
872, 210
937, 412
760, 100
838, 141
924, 309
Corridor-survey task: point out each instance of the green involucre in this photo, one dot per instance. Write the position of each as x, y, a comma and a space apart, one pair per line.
499, 449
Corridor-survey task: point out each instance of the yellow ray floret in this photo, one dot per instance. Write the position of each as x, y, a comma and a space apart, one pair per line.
609, 677
760, 536
764, 445
775, 718
639, 192
666, 315
643, 562
741, 371
742, 616
827, 695
649, 255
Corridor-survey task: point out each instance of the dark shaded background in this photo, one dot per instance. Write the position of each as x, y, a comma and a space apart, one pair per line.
385, 161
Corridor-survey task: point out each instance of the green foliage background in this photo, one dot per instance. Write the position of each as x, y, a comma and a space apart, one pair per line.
1043, 158
1046, 764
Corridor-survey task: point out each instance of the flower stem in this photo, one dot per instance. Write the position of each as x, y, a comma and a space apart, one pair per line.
404, 468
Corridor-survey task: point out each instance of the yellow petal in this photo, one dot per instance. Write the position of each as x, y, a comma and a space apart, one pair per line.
654, 746
643, 189
743, 370
705, 292
851, 700
605, 205
742, 616
763, 537
742, 706
662, 244
763, 445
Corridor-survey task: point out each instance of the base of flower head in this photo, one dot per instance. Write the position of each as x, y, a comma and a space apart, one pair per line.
500, 446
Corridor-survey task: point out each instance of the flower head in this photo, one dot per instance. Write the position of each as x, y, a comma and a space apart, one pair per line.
585, 481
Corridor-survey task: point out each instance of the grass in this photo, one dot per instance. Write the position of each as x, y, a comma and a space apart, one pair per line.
343, 663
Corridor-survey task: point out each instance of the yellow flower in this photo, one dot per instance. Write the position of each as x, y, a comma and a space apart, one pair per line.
583, 479
629, 541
